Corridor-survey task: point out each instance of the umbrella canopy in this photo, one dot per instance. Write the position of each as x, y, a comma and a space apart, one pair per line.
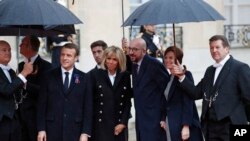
37, 30
172, 11
35, 12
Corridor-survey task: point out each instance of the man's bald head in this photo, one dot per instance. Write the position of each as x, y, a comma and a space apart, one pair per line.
5, 52
4, 43
137, 49
139, 42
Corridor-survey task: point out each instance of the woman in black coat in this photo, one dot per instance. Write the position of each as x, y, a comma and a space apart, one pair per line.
182, 121
111, 89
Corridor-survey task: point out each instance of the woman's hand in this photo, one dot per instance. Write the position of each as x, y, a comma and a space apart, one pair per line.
119, 128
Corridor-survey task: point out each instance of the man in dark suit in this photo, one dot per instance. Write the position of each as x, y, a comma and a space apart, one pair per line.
224, 90
64, 108
97, 49
10, 84
29, 49
149, 82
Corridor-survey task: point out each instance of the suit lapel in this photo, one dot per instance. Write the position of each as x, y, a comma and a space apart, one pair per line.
75, 78
59, 78
117, 79
12, 74
223, 75
172, 88
3, 75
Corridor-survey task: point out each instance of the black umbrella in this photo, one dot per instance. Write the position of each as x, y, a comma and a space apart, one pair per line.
172, 11
35, 17
37, 30
35, 12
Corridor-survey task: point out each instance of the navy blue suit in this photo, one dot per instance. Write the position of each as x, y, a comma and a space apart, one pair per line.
64, 115
181, 110
148, 88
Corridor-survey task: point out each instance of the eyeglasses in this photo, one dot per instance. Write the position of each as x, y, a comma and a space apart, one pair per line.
133, 49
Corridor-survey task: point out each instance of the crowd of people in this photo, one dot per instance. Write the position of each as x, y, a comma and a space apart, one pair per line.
45, 103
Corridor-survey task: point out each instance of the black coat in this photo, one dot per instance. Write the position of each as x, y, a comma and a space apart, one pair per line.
111, 104
64, 115
151, 47
9, 121
232, 85
28, 107
7, 92
148, 89
181, 110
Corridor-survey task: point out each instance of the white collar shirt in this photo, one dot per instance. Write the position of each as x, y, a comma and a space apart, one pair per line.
219, 67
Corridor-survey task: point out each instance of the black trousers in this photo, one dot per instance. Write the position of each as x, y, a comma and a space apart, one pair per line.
217, 130
29, 129
10, 129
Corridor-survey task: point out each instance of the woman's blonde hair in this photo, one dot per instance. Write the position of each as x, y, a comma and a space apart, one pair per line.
119, 54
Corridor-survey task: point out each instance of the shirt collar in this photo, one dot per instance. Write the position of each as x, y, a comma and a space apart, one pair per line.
139, 62
222, 62
5, 67
70, 71
98, 66
113, 75
32, 59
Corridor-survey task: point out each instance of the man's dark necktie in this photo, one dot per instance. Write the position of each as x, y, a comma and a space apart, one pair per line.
135, 72
66, 81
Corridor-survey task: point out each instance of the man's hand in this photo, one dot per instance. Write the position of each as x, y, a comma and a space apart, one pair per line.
119, 128
163, 125
27, 69
185, 133
41, 136
83, 137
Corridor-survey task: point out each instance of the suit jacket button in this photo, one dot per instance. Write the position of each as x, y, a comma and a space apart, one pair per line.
100, 120
101, 103
101, 95
100, 86
124, 88
122, 95
120, 112
121, 103
100, 111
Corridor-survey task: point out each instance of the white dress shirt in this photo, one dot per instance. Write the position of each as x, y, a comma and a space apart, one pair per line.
7, 74
112, 78
219, 67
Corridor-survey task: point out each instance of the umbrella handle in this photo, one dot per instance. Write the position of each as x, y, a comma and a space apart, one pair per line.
123, 32
174, 34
